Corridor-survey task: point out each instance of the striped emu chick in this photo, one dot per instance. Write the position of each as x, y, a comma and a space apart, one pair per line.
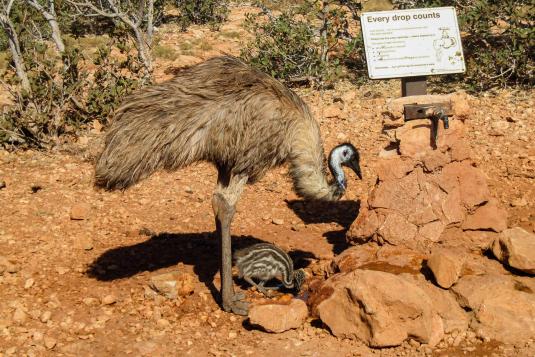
264, 262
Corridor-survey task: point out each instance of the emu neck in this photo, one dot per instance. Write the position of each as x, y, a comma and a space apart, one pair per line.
288, 279
336, 170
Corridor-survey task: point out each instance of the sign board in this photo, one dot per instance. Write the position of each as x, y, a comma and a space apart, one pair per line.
415, 42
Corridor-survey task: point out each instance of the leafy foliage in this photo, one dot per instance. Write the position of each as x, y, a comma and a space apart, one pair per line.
64, 97
200, 12
306, 43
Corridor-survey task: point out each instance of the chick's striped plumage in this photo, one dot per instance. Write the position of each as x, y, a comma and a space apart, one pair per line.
265, 261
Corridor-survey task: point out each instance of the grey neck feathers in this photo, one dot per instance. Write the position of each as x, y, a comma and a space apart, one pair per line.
335, 166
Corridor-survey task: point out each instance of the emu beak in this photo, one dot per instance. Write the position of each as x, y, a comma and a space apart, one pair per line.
354, 165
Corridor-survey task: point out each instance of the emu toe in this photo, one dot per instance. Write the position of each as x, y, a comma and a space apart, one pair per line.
237, 306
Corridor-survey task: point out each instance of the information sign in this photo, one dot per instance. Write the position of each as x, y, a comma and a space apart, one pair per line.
409, 43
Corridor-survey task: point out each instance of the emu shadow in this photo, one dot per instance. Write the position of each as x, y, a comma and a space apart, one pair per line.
164, 250
341, 212
338, 240
168, 249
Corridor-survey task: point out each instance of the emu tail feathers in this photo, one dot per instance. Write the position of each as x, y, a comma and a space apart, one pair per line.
135, 148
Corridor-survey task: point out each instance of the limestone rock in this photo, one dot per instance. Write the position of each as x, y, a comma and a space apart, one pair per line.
446, 265
394, 169
364, 227
488, 216
515, 247
173, 284
382, 309
354, 257
279, 317
414, 138
432, 230
396, 194
50, 342
109, 299
471, 182
453, 316
459, 102
503, 306
387, 258
396, 229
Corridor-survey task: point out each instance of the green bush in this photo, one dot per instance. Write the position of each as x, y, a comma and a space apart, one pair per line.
201, 12
65, 97
309, 43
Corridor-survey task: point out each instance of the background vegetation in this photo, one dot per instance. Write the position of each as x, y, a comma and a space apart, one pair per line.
59, 88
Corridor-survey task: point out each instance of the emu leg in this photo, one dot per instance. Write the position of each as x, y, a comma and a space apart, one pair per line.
259, 286
224, 205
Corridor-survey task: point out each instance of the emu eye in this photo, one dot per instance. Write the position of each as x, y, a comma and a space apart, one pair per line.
345, 153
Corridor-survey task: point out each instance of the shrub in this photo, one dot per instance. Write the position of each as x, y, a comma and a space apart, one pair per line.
200, 12
65, 97
165, 52
307, 43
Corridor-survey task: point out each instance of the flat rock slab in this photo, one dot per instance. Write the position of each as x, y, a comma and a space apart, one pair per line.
379, 308
503, 306
279, 317
515, 247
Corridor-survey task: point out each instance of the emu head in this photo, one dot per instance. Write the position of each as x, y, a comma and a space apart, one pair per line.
344, 155
299, 278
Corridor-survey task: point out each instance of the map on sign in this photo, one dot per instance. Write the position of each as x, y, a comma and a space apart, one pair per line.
408, 43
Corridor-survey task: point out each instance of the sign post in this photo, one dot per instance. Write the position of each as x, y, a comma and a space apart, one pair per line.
412, 44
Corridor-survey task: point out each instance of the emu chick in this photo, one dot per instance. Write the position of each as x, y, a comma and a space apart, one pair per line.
264, 261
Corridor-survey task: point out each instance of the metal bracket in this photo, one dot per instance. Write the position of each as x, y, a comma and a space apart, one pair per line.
433, 111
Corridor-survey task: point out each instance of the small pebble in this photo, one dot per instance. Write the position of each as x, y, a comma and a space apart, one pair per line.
29, 283
163, 323
50, 342
109, 299
19, 315
45, 316
278, 221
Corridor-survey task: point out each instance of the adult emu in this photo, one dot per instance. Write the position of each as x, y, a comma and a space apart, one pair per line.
236, 117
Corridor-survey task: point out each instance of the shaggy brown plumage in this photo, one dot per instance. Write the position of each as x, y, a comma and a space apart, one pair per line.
221, 111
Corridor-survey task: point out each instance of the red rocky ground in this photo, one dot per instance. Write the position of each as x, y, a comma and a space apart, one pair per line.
79, 287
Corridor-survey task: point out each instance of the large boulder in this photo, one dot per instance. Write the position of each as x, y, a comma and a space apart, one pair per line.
515, 247
503, 306
379, 308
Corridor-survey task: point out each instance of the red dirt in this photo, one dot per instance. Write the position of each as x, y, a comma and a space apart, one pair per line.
167, 221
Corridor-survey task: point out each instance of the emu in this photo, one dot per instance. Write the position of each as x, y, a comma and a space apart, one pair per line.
243, 121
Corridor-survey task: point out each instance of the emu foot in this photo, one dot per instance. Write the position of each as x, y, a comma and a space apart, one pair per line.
237, 306
266, 291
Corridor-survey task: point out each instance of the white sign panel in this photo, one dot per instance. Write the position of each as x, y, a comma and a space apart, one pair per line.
415, 42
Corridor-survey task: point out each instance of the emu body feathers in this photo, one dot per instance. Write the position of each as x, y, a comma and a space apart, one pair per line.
221, 111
